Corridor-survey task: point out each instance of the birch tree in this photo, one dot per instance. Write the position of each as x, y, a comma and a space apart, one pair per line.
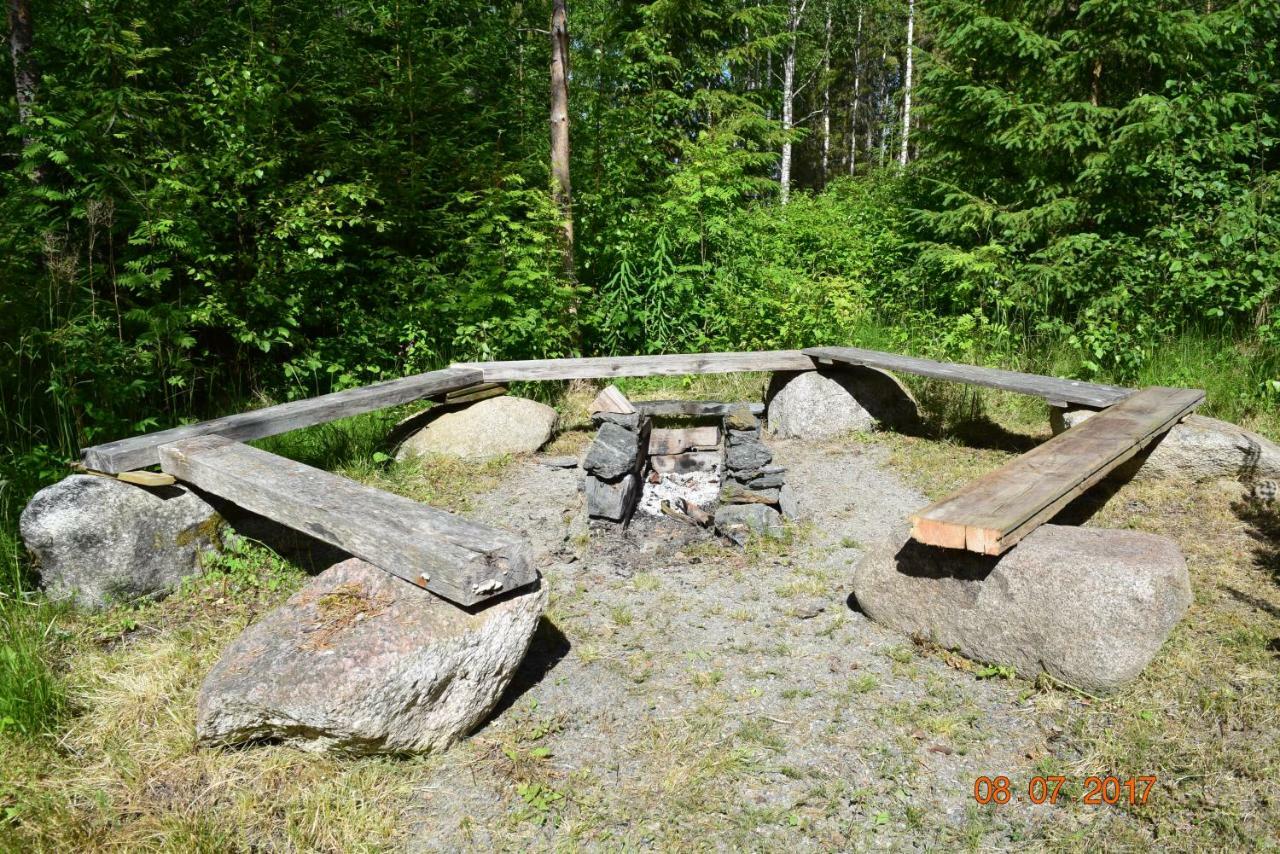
26, 76
795, 12
906, 84
853, 100
561, 189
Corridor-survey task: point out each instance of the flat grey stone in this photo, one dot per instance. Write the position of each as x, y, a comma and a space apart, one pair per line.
630, 420
361, 662
741, 437
738, 522
748, 456
1197, 448
788, 503
485, 429
765, 481
831, 402
613, 453
1089, 606
559, 462
98, 541
613, 501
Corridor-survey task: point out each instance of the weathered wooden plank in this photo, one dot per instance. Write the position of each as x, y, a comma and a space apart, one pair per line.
677, 440
611, 399
460, 560
641, 366
1057, 392
692, 408
146, 478
141, 451
991, 514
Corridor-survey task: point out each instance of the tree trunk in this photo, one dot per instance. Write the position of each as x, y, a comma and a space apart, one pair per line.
26, 76
561, 191
853, 102
788, 98
906, 86
826, 98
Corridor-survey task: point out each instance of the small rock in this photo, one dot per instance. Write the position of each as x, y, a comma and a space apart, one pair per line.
732, 493
742, 437
559, 462
833, 401
489, 428
739, 521
739, 418
1197, 448
765, 481
613, 501
613, 453
809, 608
1089, 606
747, 456
788, 503
99, 541
361, 662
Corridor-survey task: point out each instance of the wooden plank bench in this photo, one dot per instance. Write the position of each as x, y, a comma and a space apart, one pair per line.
141, 451
462, 561
991, 514
1057, 392
641, 366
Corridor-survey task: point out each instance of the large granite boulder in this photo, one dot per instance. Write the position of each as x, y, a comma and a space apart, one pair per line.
490, 428
99, 541
1197, 448
831, 402
361, 662
1091, 607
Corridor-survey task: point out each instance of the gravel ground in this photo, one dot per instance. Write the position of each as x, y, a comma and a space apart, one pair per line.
682, 693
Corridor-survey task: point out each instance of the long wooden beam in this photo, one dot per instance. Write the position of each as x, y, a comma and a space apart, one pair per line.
991, 514
141, 451
460, 560
1056, 391
641, 366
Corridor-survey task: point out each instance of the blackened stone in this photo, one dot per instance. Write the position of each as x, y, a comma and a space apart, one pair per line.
741, 437
613, 453
630, 420
747, 456
765, 481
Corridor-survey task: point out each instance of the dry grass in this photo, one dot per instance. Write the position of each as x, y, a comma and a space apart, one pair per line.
1204, 717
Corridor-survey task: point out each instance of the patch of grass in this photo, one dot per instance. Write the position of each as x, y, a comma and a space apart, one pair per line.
447, 483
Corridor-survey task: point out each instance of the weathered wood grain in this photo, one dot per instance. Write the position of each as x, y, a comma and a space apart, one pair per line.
692, 408
141, 451
457, 559
1056, 391
677, 440
641, 366
991, 514
611, 399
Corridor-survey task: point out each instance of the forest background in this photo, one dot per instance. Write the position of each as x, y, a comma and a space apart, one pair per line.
204, 205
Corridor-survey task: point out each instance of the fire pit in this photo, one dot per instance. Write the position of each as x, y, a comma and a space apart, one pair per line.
694, 461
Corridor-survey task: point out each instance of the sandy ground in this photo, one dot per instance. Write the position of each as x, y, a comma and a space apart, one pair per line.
682, 693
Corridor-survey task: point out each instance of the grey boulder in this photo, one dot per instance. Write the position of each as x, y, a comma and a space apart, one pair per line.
99, 541
488, 428
1197, 448
739, 521
613, 453
1091, 607
827, 403
361, 662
